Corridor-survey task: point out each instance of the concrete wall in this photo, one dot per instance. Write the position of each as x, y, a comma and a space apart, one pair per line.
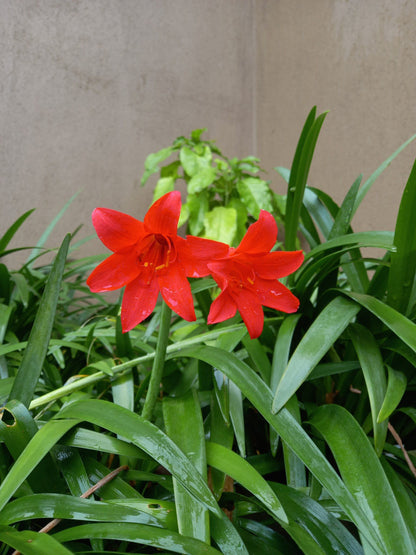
90, 87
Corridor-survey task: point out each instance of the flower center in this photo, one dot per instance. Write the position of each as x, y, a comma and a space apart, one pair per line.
154, 254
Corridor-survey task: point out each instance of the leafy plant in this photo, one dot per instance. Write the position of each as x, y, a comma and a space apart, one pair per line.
292, 442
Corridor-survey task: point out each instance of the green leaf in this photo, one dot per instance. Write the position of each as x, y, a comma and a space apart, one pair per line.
152, 162
32, 543
41, 242
201, 180
17, 428
255, 194
406, 504
404, 328
137, 533
148, 437
9, 234
257, 392
364, 476
52, 505
367, 185
372, 366
198, 206
396, 388
36, 449
328, 533
343, 218
299, 174
163, 186
30, 369
183, 421
321, 335
221, 224
379, 239
191, 162
403, 259
240, 470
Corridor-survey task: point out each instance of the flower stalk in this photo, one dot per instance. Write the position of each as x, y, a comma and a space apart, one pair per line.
158, 362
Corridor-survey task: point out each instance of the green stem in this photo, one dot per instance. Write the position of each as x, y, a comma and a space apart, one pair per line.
158, 362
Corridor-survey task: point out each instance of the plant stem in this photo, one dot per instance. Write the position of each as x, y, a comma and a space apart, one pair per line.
158, 362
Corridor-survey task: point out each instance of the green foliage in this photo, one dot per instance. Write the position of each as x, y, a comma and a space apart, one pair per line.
279, 444
222, 194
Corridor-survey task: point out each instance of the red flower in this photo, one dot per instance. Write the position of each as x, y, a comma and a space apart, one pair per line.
247, 276
148, 257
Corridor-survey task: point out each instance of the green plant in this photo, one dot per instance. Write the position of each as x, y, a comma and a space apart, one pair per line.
288, 443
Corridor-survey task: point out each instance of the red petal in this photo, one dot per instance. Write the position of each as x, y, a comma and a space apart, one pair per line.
260, 236
275, 295
277, 264
249, 306
176, 291
222, 308
196, 253
139, 300
115, 272
163, 216
115, 229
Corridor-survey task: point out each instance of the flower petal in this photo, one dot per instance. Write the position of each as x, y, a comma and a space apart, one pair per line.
275, 295
176, 291
276, 264
249, 306
116, 229
139, 300
196, 253
260, 236
163, 216
222, 308
115, 272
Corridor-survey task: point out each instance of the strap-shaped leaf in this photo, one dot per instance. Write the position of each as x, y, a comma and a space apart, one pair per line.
363, 474
31, 543
257, 392
184, 425
323, 332
243, 472
28, 374
371, 361
403, 259
137, 533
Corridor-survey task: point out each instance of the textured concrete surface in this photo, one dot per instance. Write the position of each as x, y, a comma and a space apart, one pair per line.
90, 87
356, 59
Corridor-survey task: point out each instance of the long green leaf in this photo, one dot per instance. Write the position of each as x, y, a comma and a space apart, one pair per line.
404, 328
403, 260
298, 177
137, 533
321, 335
364, 476
367, 185
41, 242
67, 507
31, 543
375, 378
379, 239
36, 449
28, 374
184, 425
257, 392
396, 388
148, 437
240, 470
8, 235
329, 534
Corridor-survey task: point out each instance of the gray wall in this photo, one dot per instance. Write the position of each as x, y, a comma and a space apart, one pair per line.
90, 87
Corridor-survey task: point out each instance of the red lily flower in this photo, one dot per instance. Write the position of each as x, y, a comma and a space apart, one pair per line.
148, 257
248, 277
